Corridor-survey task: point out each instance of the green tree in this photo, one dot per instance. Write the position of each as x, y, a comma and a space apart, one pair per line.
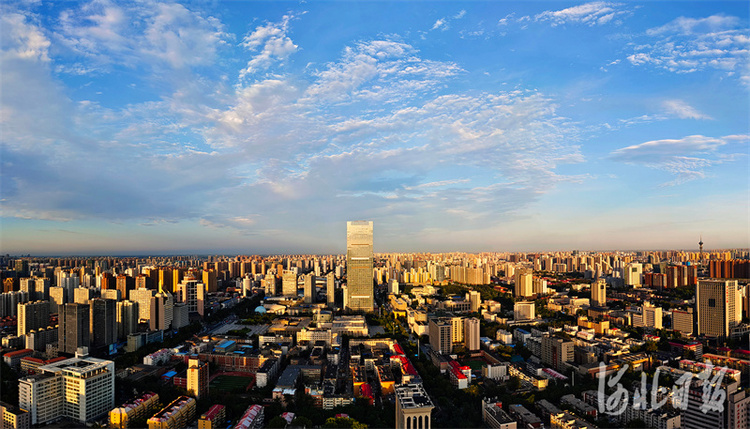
277, 422
343, 422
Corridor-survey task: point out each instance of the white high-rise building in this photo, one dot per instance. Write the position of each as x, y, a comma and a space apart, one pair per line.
359, 261
80, 388
289, 283
718, 307
632, 274
330, 289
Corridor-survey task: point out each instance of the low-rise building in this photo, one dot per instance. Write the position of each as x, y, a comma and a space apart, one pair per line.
122, 416
253, 418
178, 414
494, 416
12, 417
213, 418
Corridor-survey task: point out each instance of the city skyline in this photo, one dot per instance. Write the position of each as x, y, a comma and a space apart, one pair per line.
243, 127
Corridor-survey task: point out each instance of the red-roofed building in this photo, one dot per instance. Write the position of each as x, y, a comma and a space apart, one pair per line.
29, 364
366, 392
398, 350
13, 359
460, 375
213, 418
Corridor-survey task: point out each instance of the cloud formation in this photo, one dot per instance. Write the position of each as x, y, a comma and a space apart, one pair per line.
686, 158
591, 14
687, 45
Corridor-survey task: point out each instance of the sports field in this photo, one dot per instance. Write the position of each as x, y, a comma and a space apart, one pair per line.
230, 383
474, 364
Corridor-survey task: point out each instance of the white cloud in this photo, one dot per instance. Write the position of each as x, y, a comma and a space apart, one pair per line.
686, 158
440, 23
688, 45
683, 110
21, 39
594, 13
273, 43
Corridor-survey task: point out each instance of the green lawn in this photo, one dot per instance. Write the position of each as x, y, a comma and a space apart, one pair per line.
230, 383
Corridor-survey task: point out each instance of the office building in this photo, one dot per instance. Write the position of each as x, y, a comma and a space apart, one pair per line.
524, 286
556, 351
177, 414
719, 307
441, 339
32, 316
197, 377
475, 298
12, 417
125, 284
80, 388
289, 283
359, 274
180, 315
309, 288
524, 310
471, 334
330, 290
683, 321
413, 407
649, 317
73, 328
494, 416
103, 324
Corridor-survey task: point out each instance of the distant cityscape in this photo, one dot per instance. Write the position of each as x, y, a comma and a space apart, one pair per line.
500, 340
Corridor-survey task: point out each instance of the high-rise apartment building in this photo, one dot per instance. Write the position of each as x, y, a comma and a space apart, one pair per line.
82, 295
209, 279
718, 307
127, 318
197, 377
556, 351
162, 306
471, 334
309, 288
330, 289
413, 407
524, 286
57, 298
441, 338
73, 327
80, 388
192, 293
289, 283
143, 298
359, 262
475, 298
599, 293
103, 323
32, 316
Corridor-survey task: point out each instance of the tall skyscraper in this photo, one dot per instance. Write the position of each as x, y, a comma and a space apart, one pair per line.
330, 289
309, 288
161, 307
599, 293
471, 333
143, 298
719, 307
73, 327
127, 318
359, 265
103, 323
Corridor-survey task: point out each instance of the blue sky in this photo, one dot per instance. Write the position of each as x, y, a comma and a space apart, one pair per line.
262, 127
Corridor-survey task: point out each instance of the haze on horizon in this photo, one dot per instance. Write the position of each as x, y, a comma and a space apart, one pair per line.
262, 127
